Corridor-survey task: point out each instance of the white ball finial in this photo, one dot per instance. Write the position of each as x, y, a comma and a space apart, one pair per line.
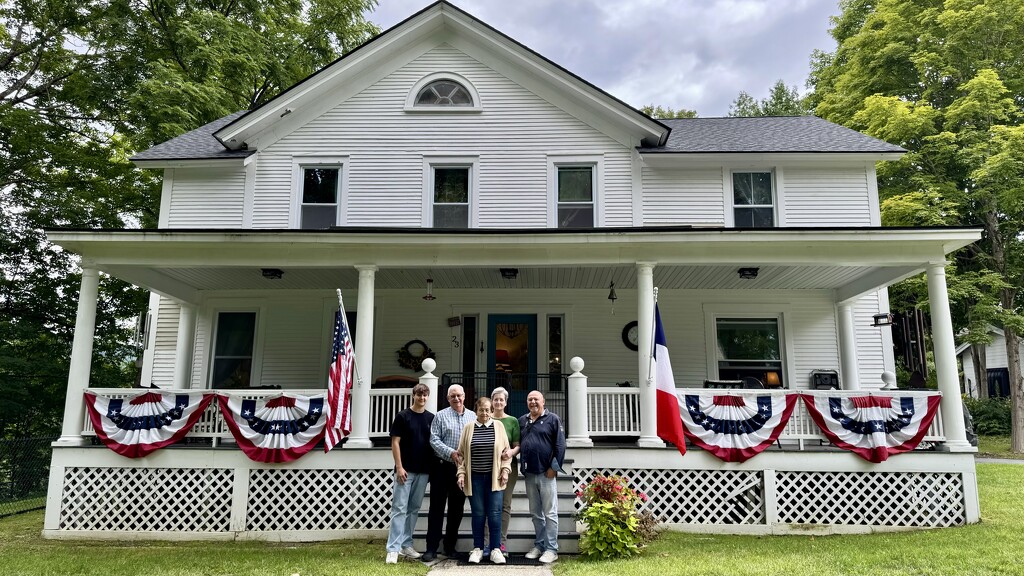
576, 364
888, 380
428, 365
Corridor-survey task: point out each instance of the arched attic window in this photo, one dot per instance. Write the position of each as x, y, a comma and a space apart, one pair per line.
443, 92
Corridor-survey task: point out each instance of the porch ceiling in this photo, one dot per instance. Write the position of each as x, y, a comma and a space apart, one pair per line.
180, 264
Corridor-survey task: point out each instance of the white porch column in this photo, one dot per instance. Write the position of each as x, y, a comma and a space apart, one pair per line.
945, 361
360, 437
848, 347
579, 426
645, 342
81, 360
184, 346
430, 380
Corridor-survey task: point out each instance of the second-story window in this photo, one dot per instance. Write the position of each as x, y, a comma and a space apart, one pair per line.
451, 196
320, 195
752, 200
575, 197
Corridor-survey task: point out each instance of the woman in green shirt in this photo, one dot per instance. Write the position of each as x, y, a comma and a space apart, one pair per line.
499, 400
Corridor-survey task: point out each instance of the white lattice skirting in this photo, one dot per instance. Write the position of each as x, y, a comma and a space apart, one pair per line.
218, 494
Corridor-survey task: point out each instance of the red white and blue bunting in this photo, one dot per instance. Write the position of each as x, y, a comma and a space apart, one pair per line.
278, 428
734, 428
140, 423
873, 426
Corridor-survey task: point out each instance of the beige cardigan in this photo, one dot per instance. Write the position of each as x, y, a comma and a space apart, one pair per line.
500, 444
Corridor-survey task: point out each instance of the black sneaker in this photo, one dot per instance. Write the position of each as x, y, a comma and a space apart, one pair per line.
428, 556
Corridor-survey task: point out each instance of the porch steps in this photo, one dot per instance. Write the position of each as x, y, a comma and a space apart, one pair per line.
520, 532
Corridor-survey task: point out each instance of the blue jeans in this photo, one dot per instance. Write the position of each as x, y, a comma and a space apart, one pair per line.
542, 493
405, 507
486, 506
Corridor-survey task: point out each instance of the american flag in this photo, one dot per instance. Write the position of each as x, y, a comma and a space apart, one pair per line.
339, 385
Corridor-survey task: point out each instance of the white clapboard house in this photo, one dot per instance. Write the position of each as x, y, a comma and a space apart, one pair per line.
539, 213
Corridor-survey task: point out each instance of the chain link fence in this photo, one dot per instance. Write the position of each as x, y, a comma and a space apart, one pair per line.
24, 474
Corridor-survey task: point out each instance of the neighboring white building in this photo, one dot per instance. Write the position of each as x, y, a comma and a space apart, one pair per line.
445, 152
995, 363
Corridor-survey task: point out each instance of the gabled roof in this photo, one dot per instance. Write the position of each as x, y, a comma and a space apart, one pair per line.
198, 144
772, 134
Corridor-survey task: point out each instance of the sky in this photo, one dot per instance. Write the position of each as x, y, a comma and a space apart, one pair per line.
694, 54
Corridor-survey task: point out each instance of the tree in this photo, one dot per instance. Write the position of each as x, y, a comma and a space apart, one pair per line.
945, 80
667, 112
781, 101
83, 85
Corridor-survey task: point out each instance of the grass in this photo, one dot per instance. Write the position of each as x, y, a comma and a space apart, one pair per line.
992, 547
996, 447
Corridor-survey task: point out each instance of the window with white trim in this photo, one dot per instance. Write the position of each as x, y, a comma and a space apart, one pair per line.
444, 92
749, 347
450, 196
575, 196
753, 200
234, 342
320, 197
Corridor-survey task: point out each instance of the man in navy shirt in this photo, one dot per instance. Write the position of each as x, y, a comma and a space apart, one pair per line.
414, 460
542, 450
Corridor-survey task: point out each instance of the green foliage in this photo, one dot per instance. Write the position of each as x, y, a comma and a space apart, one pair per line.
781, 101
667, 112
991, 415
615, 528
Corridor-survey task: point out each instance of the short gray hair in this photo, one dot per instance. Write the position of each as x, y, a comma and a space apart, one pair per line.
500, 391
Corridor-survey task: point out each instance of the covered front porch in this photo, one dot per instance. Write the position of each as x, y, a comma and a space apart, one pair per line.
815, 286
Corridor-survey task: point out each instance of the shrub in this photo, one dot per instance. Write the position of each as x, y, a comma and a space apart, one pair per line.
615, 526
991, 415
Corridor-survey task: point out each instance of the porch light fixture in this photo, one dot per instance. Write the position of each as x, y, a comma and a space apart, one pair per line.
611, 293
430, 290
748, 273
509, 273
272, 273
882, 320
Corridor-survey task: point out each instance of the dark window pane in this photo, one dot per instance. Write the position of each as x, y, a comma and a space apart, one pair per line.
555, 345
575, 216
319, 217
451, 185
761, 183
742, 194
232, 372
743, 217
753, 339
763, 217
235, 333
320, 186
451, 216
575, 184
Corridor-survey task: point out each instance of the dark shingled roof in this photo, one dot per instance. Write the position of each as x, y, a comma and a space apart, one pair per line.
689, 136
765, 134
198, 144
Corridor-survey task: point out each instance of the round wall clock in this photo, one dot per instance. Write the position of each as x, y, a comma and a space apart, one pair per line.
631, 335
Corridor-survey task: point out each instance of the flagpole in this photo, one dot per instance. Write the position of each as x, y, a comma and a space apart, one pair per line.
344, 318
654, 328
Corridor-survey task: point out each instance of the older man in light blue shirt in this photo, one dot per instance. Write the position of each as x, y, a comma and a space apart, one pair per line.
444, 487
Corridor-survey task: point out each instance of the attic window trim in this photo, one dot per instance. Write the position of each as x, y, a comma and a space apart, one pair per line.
410, 100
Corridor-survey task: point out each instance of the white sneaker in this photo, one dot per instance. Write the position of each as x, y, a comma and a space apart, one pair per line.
392, 558
534, 553
497, 557
475, 556
410, 552
548, 557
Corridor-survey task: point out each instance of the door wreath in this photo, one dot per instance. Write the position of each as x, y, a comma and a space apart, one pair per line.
413, 354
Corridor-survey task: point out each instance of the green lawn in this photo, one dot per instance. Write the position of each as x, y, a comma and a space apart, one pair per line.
992, 547
996, 447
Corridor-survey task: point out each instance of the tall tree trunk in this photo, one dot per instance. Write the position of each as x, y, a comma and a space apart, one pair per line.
980, 362
1016, 389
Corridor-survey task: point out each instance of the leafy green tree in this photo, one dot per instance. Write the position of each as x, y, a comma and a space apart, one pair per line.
781, 101
667, 112
945, 80
85, 84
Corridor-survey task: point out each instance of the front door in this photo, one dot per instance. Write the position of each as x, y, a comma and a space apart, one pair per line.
513, 350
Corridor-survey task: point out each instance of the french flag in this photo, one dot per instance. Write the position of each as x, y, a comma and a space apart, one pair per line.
670, 425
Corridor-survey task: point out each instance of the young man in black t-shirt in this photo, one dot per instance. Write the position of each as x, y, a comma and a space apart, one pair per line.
410, 447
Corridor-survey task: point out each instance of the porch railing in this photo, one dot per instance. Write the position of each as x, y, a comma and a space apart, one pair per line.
611, 412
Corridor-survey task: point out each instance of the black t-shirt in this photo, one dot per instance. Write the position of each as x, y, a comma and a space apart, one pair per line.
414, 431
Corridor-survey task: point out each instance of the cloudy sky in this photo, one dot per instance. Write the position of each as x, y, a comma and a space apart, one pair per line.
695, 54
